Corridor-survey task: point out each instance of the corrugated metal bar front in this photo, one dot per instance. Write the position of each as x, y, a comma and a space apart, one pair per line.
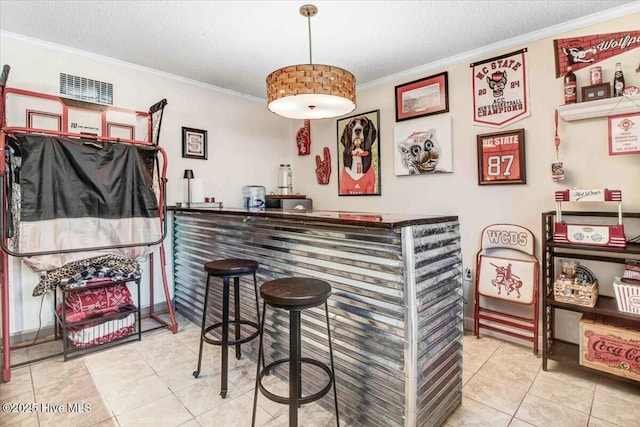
437, 271
396, 319
364, 267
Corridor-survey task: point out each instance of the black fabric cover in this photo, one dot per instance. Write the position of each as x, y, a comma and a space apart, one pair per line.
73, 178
78, 194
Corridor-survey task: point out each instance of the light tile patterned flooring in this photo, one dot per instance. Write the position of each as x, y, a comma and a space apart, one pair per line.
150, 383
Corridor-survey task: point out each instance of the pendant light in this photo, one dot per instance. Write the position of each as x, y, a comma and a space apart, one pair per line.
311, 91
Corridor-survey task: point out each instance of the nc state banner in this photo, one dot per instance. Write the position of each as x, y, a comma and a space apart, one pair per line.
500, 93
580, 52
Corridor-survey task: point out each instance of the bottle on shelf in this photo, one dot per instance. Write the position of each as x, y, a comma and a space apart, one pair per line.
570, 87
618, 80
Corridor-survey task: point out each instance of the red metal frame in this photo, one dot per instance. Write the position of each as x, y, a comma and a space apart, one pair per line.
4, 257
499, 318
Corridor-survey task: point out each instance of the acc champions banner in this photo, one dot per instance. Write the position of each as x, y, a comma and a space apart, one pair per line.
500, 92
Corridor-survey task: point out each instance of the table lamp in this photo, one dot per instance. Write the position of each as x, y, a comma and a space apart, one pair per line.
188, 175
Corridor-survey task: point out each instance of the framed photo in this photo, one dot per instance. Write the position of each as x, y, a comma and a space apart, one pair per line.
119, 130
44, 120
624, 134
194, 143
593, 92
359, 154
423, 146
501, 158
422, 97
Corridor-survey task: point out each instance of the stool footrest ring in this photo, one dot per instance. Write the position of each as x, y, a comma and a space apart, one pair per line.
231, 342
302, 399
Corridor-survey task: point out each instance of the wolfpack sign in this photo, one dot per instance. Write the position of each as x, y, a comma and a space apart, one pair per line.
500, 94
585, 51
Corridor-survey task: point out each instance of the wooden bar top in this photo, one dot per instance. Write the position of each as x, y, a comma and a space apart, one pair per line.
367, 219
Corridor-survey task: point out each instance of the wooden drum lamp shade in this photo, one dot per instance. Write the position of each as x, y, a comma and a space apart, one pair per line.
311, 91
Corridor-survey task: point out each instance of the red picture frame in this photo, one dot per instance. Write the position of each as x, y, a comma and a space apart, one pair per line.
422, 97
501, 158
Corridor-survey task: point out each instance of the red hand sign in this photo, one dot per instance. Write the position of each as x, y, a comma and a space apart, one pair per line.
303, 139
323, 167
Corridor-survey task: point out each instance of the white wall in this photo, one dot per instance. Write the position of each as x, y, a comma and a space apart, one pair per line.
583, 149
246, 142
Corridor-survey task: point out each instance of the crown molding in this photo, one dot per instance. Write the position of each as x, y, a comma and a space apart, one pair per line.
548, 32
511, 43
125, 64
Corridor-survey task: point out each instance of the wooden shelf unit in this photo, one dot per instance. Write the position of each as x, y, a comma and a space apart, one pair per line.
560, 350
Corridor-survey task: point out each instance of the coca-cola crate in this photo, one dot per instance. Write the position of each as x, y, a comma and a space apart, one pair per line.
611, 345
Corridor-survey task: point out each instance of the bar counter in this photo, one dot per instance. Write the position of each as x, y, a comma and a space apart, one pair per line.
396, 307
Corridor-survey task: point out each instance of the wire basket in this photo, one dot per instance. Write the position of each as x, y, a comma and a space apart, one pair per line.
580, 294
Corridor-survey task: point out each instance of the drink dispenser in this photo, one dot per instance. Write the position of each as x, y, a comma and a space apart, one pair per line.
285, 179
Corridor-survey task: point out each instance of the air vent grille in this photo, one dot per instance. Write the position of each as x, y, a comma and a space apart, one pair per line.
84, 89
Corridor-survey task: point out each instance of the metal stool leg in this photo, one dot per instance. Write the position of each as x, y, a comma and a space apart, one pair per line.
294, 366
225, 336
333, 371
196, 373
255, 290
260, 355
236, 309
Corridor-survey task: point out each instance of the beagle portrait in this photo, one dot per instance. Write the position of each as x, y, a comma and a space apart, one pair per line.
358, 137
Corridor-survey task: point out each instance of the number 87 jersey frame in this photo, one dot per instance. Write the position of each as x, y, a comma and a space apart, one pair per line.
501, 158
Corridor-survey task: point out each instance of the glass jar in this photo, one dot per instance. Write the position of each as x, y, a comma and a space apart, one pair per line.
285, 179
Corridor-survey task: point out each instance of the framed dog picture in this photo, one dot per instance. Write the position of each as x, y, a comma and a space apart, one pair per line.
359, 155
422, 97
194, 143
501, 158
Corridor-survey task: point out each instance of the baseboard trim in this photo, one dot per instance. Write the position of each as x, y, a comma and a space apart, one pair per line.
47, 332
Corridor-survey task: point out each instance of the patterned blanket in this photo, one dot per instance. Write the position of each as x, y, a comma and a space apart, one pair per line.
78, 273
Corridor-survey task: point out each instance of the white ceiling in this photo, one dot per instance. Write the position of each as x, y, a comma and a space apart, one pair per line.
236, 44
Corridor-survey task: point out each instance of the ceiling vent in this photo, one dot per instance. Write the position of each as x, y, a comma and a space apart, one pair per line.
85, 90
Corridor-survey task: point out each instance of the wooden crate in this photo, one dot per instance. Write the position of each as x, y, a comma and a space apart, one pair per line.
572, 293
611, 345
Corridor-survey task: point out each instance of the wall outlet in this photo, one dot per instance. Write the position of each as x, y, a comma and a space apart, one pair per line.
468, 274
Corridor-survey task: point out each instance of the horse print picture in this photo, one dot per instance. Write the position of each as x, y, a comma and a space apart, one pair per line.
506, 278
423, 146
359, 155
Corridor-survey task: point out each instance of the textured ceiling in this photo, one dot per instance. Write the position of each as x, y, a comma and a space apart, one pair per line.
236, 44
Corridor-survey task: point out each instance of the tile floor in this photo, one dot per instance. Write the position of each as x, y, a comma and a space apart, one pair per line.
150, 383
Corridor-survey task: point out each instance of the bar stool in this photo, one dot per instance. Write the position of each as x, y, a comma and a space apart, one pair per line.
294, 295
227, 269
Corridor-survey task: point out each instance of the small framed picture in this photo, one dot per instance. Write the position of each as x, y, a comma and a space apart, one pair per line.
119, 130
501, 158
624, 134
593, 92
44, 120
422, 97
194, 143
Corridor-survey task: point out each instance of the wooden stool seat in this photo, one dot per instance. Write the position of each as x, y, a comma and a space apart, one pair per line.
231, 267
295, 292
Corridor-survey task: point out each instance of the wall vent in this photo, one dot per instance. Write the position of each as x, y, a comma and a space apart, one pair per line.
84, 89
